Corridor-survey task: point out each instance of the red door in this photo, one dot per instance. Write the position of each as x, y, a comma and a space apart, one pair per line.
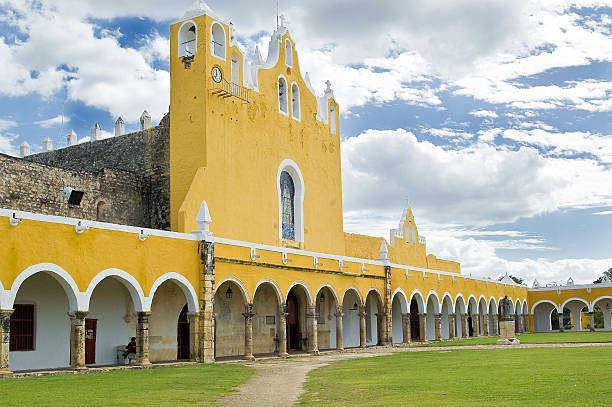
91, 326
293, 322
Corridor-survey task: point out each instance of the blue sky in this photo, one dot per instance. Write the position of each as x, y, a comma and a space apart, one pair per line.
490, 118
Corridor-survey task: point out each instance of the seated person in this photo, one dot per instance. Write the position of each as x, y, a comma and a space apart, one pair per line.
130, 351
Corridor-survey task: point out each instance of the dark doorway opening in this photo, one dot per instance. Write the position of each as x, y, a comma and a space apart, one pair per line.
415, 326
470, 326
91, 328
182, 335
293, 323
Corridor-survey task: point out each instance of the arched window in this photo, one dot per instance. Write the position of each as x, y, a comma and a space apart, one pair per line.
282, 96
217, 46
187, 40
332, 118
287, 188
295, 101
288, 53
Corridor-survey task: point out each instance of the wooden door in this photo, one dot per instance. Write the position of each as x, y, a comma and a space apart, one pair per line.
182, 335
415, 325
91, 327
293, 322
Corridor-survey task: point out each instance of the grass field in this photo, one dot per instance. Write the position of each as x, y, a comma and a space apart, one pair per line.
181, 386
552, 337
467, 377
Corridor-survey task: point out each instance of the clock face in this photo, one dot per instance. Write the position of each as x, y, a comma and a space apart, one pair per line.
216, 74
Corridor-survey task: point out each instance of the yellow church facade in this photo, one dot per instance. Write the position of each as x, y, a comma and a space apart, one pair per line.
256, 260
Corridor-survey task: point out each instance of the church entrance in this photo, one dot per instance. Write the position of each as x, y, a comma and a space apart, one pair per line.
415, 326
182, 335
293, 323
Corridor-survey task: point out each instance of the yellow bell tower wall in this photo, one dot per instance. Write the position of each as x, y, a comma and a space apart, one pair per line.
237, 146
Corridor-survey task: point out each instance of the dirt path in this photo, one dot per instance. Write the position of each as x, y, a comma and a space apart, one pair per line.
279, 382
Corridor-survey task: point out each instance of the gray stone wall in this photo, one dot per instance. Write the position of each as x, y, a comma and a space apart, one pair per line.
143, 156
110, 195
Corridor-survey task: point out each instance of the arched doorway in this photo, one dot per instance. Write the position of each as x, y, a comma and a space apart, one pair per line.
327, 309
182, 335
230, 305
415, 328
294, 336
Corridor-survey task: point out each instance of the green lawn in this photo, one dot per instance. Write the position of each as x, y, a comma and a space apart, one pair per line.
467, 377
552, 337
181, 386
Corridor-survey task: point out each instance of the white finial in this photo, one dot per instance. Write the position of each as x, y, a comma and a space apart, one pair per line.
283, 20
96, 132
328, 88
536, 284
570, 281
119, 127
47, 144
203, 220
71, 138
24, 149
383, 252
145, 121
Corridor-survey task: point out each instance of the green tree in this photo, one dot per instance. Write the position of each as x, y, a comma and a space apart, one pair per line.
607, 273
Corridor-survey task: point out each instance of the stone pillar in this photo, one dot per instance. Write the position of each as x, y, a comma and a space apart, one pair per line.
207, 319
423, 326
485, 324
406, 334
465, 329
362, 326
561, 328
518, 321
77, 340
592, 321
194, 335
438, 326
339, 335
525, 323
475, 325
282, 330
313, 340
388, 309
5, 339
142, 339
495, 325
248, 332
451, 326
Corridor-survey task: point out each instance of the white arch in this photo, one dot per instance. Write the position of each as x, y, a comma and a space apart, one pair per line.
187, 49
543, 301
592, 305
183, 283
282, 103
525, 309
403, 299
586, 303
469, 301
483, 298
462, 304
517, 306
132, 285
452, 304
437, 304
75, 297
353, 288
275, 286
420, 301
295, 102
494, 302
221, 45
333, 291
300, 190
4, 294
378, 295
288, 53
304, 286
241, 286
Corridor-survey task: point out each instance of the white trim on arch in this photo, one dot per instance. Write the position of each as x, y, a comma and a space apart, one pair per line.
492, 300
450, 297
438, 304
518, 307
241, 286
544, 301
287, 93
592, 305
586, 303
183, 283
212, 43
421, 303
353, 288
132, 285
75, 297
182, 48
525, 309
467, 305
377, 292
297, 117
333, 291
298, 205
275, 286
304, 286
405, 304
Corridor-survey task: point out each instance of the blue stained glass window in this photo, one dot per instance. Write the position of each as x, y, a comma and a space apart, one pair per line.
287, 205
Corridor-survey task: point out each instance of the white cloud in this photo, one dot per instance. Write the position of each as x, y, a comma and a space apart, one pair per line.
484, 113
602, 213
52, 122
